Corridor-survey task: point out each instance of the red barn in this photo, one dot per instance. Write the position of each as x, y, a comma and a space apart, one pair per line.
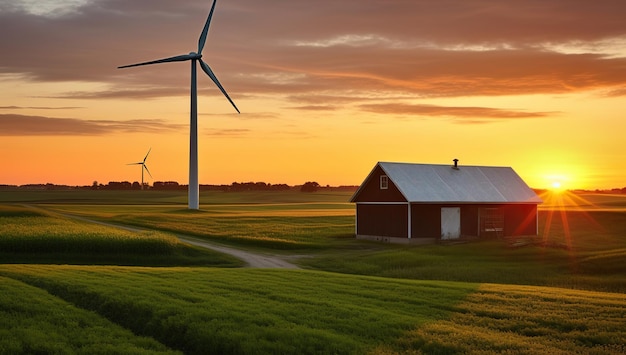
400, 202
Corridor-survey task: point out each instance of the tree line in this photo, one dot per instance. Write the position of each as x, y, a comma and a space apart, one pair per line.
309, 186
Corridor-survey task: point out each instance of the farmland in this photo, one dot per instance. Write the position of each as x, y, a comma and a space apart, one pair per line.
36, 236
563, 293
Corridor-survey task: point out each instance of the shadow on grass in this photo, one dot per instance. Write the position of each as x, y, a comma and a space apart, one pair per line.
183, 256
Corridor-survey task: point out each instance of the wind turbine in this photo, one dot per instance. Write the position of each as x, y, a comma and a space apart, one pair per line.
194, 188
143, 166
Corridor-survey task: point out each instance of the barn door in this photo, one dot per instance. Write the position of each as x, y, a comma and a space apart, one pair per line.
450, 222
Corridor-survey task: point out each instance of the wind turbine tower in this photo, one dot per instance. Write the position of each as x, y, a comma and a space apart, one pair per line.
194, 57
143, 166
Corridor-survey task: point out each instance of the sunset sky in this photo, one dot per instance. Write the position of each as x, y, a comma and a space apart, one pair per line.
326, 89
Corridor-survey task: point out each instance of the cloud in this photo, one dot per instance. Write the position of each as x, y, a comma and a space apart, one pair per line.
458, 114
422, 48
351, 40
616, 92
340, 98
227, 132
115, 93
314, 108
253, 116
22, 125
49, 8
244, 132
39, 108
438, 73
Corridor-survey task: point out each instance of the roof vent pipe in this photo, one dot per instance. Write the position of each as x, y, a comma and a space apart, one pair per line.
456, 166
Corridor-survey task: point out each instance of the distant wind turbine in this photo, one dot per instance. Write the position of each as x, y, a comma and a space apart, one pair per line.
194, 188
143, 166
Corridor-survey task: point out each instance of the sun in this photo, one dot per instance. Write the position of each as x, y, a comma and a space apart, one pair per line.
556, 187
557, 183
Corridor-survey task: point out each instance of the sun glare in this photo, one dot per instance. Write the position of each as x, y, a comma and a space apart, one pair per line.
557, 182
559, 203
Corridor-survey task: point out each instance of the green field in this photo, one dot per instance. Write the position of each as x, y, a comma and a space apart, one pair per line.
246, 311
560, 293
36, 322
582, 249
32, 235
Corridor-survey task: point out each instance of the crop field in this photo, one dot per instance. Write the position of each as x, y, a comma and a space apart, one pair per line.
275, 220
592, 255
246, 311
36, 322
35, 236
560, 293
270, 228
578, 247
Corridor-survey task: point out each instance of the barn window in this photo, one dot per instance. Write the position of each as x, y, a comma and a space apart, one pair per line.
384, 182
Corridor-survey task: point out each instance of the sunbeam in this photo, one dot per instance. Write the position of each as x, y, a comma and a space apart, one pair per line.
562, 203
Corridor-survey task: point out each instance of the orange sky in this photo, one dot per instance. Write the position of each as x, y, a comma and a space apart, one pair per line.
326, 89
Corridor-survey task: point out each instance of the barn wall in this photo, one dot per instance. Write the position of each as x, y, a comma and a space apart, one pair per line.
382, 220
426, 220
520, 220
469, 220
371, 192
390, 220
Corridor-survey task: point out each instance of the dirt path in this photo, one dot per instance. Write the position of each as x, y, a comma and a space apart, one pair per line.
255, 260
252, 259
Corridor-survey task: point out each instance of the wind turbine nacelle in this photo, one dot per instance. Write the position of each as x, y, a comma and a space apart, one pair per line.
194, 55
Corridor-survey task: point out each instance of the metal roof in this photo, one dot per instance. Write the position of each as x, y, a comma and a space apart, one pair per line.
466, 184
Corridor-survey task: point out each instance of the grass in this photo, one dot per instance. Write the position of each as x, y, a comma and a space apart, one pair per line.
500, 319
32, 236
277, 226
481, 297
172, 198
246, 311
93, 196
592, 256
576, 249
35, 322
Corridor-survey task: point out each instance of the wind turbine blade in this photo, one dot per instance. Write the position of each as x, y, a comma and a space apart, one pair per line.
178, 58
145, 167
144, 159
205, 30
134, 163
210, 73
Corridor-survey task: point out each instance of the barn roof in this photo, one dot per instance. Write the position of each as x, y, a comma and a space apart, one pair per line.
428, 183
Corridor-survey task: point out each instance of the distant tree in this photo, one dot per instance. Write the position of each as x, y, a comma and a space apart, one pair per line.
166, 185
280, 187
309, 186
117, 185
